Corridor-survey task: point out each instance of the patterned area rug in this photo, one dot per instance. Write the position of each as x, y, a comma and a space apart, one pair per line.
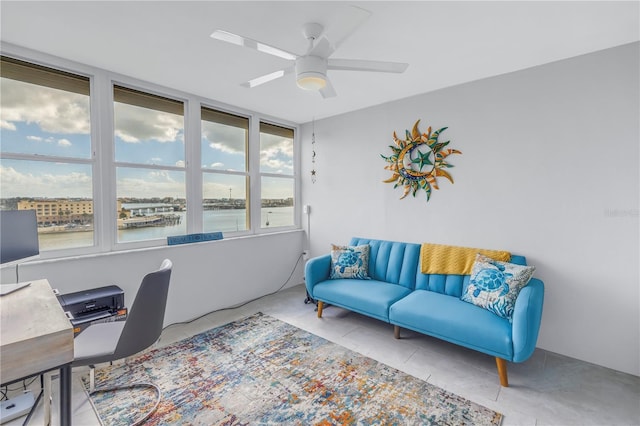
262, 371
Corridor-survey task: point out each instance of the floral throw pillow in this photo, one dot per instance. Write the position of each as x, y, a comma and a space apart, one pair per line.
350, 262
495, 285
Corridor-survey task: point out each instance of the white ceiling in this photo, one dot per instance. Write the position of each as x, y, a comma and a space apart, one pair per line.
445, 43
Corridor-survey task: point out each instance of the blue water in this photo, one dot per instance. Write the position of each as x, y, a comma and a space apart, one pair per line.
213, 221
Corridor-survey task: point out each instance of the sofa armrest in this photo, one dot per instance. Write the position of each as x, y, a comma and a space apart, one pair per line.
527, 316
316, 270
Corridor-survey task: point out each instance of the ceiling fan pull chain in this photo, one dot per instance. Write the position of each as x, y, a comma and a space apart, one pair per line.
313, 151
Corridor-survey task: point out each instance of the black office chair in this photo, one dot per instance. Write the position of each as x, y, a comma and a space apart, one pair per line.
112, 341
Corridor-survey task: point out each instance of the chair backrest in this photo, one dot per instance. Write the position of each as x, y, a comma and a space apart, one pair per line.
146, 316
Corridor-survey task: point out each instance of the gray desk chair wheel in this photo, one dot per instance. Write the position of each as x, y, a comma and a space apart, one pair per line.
108, 342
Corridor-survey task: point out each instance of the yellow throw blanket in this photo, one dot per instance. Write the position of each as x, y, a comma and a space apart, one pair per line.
451, 260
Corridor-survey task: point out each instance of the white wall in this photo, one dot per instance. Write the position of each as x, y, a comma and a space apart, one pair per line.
205, 277
549, 169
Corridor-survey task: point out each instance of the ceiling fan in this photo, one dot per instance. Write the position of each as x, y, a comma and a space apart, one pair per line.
311, 68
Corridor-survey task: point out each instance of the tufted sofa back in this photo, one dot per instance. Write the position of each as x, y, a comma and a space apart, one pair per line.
399, 263
451, 285
391, 261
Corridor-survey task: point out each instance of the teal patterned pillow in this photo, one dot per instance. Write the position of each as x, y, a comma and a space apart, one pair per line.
495, 285
350, 262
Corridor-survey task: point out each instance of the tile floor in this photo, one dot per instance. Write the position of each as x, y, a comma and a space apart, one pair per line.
547, 389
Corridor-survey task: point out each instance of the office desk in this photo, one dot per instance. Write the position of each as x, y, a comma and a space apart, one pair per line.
36, 337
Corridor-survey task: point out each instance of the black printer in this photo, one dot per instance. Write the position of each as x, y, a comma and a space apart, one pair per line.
102, 304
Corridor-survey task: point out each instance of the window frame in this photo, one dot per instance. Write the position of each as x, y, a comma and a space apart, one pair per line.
246, 173
104, 166
114, 164
295, 176
91, 160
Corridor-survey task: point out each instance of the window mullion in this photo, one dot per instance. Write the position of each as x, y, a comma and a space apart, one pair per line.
148, 166
49, 158
254, 173
297, 180
192, 136
104, 182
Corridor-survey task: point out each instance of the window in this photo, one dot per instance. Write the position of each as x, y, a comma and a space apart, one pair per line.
277, 181
150, 165
109, 172
46, 159
224, 171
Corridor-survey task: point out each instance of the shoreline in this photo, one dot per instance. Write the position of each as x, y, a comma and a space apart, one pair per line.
62, 229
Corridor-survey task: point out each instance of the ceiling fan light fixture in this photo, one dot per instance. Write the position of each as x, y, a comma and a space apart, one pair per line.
311, 72
311, 80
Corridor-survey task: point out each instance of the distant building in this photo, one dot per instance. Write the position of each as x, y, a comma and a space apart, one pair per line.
51, 211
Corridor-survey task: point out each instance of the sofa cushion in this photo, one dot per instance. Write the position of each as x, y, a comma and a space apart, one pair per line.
370, 297
450, 319
350, 262
495, 285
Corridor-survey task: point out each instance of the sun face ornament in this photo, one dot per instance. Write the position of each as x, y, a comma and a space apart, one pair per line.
418, 160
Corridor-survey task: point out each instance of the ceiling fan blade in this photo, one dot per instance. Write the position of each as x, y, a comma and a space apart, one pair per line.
252, 44
328, 91
267, 77
363, 65
343, 25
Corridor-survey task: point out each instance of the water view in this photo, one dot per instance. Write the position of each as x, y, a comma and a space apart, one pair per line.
230, 220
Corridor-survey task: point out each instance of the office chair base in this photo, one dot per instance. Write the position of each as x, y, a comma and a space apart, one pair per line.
134, 386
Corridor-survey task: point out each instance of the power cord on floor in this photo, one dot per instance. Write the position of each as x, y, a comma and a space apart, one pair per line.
241, 304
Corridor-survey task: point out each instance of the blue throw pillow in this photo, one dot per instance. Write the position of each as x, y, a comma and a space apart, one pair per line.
495, 285
350, 262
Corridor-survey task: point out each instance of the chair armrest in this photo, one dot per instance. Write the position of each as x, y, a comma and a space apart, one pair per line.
316, 270
527, 316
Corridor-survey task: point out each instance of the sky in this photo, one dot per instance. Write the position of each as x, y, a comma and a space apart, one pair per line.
47, 121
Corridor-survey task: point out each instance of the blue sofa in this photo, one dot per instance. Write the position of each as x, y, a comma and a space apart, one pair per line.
400, 294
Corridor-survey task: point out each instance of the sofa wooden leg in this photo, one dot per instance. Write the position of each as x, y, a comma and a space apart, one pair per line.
502, 371
396, 331
320, 305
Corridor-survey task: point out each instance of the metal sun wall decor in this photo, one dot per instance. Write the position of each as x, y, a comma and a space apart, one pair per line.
418, 160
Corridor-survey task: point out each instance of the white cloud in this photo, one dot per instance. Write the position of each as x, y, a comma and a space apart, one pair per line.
34, 138
35, 183
273, 143
64, 143
180, 163
161, 175
6, 125
227, 139
54, 111
151, 184
136, 124
217, 165
276, 153
276, 160
225, 147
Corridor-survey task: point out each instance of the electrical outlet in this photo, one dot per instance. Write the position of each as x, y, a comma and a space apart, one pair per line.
305, 255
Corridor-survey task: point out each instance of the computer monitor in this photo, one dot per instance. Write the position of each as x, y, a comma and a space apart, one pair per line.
18, 236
